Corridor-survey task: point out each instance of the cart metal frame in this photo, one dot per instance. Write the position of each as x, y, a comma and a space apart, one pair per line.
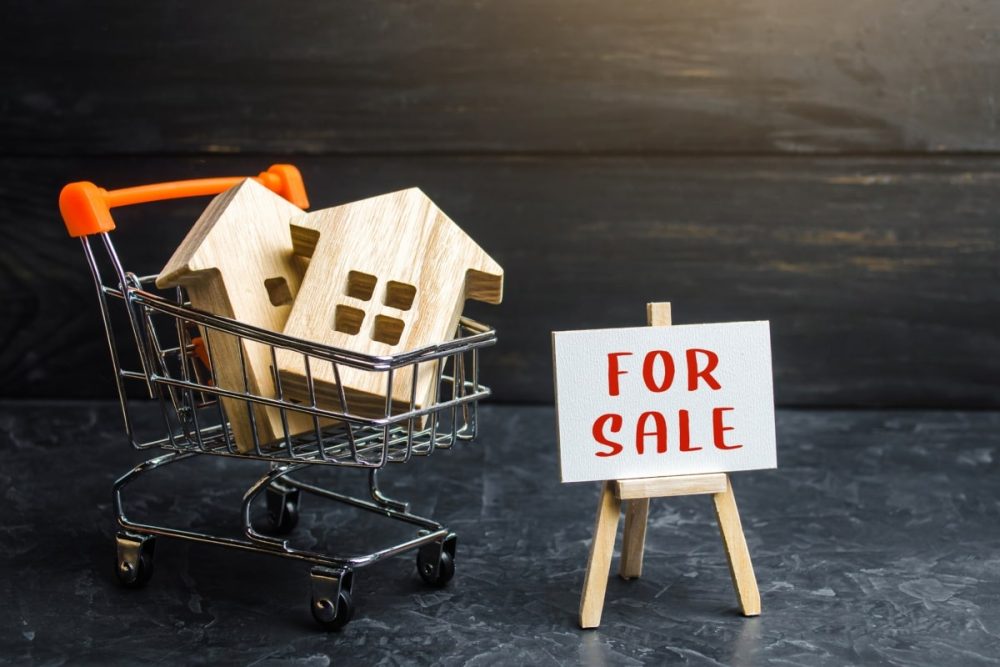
164, 329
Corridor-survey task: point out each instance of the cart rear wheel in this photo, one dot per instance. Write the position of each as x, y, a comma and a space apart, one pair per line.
134, 562
445, 571
322, 609
282, 511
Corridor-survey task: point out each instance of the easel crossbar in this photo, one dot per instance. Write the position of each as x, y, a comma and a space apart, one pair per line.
660, 487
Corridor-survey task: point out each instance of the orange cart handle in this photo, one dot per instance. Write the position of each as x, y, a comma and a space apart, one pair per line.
86, 208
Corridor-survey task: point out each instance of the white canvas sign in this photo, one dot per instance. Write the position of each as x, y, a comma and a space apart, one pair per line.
655, 401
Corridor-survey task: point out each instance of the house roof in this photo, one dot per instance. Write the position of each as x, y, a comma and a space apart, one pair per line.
409, 229
245, 229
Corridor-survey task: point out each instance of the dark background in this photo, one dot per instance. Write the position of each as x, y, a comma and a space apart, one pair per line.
832, 167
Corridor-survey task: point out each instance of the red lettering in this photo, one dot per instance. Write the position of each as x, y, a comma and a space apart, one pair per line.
705, 373
660, 423
598, 432
614, 371
719, 429
684, 424
668, 370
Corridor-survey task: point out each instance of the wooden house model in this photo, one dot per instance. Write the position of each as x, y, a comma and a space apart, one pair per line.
237, 261
386, 275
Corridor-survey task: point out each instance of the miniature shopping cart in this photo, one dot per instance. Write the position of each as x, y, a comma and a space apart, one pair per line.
173, 365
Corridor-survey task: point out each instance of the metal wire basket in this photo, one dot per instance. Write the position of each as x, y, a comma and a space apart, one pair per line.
173, 360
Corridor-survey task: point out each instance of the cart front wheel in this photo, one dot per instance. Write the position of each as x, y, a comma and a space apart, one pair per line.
322, 610
134, 562
445, 568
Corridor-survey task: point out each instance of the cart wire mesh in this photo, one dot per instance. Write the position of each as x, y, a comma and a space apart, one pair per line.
174, 344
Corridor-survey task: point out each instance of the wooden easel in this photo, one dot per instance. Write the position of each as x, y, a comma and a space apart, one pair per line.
636, 494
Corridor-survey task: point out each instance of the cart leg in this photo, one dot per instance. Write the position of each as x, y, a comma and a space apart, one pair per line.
595, 583
634, 538
269, 483
332, 605
381, 498
735, 543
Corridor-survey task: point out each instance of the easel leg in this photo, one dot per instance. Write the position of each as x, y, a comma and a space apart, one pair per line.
634, 537
735, 544
595, 583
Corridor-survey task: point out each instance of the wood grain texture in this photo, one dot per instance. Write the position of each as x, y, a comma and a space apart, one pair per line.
879, 276
602, 548
387, 275
737, 553
676, 485
238, 244
498, 76
633, 538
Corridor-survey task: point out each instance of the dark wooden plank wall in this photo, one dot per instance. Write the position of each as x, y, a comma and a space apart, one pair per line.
500, 76
828, 166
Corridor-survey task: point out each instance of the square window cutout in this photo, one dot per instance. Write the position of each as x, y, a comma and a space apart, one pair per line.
387, 329
399, 295
348, 320
360, 285
278, 291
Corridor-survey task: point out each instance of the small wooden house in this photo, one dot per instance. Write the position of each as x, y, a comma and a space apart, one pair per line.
386, 275
237, 261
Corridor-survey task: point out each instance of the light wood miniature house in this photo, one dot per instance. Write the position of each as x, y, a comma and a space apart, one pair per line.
237, 261
386, 275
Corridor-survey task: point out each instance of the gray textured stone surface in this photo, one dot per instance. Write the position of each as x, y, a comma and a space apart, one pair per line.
876, 542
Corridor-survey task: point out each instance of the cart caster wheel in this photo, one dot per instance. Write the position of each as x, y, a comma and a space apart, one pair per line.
446, 570
282, 511
134, 564
323, 607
